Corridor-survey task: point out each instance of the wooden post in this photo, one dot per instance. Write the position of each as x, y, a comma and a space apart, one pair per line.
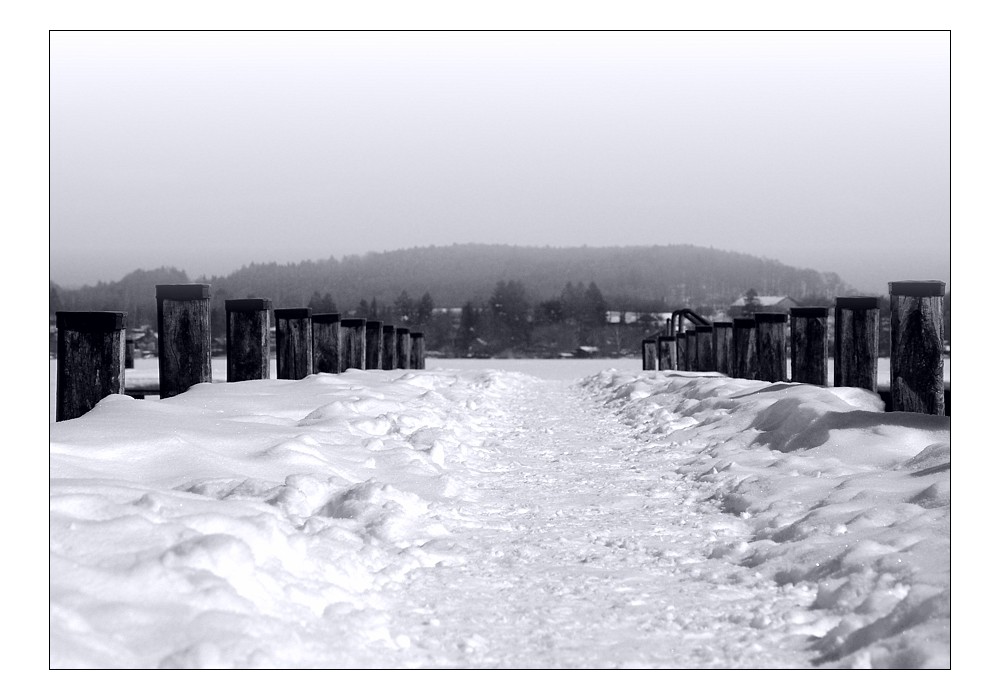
855, 342
648, 354
90, 360
248, 346
703, 342
682, 352
722, 346
916, 360
771, 346
129, 353
403, 348
417, 360
809, 346
326, 343
184, 342
294, 339
388, 347
744, 348
353, 346
666, 352
691, 340
373, 344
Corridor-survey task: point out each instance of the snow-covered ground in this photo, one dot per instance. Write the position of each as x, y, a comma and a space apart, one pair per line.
574, 514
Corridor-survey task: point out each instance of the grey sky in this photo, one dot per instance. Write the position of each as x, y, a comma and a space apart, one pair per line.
207, 151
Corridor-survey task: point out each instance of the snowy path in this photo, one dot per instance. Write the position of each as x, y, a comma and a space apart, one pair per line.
586, 551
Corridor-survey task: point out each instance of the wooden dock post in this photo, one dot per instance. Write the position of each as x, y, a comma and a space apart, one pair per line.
388, 347
809, 345
326, 343
352, 343
294, 340
403, 348
722, 346
373, 344
248, 340
705, 358
771, 354
744, 348
916, 360
90, 360
855, 342
682, 351
417, 360
691, 341
666, 352
129, 353
184, 343
648, 354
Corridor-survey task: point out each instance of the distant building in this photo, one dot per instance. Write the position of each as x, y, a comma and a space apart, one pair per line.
775, 304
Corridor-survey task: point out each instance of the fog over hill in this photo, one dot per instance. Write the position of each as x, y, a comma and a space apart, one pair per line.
634, 277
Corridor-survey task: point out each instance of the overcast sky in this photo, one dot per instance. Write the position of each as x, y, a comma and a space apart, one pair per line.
207, 151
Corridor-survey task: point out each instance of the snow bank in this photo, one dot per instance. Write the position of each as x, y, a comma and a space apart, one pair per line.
841, 500
249, 524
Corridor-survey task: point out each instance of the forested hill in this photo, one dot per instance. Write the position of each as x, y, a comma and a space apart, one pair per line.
642, 278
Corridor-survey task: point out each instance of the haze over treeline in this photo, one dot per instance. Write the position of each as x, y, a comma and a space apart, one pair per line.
636, 278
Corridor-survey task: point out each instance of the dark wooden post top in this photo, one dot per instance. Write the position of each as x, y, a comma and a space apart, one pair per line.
90, 321
857, 303
770, 317
248, 304
915, 288
183, 292
326, 318
809, 312
352, 323
295, 312
744, 323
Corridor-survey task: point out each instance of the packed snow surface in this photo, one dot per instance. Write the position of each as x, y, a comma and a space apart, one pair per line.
490, 518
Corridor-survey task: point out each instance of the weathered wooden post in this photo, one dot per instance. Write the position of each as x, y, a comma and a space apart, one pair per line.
353, 346
809, 345
388, 347
417, 349
771, 346
248, 343
184, 342
722, 346
129, 353
855, 342
648, 354
682, 352
691, 340
326, 343
744, 348
666, 351
90, 360
704, 355
403, 348
916, 360
294, 340
373, 344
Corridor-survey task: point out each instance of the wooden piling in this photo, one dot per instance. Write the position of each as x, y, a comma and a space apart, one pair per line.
744, 348
184, 342
388, 347
916, 360
722, 346
705, 358
809, 347
855, 342
129, 353
770, 346
352, 343
373, 344
326, 343
248, 341
90, 360
682, 352
294, 340
403, 348
648, 354
666, 352
691, 341
417, 360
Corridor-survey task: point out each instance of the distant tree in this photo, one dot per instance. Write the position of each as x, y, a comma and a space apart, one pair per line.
424, 310
595, 309
375, 311
549, 312
55, 301
467, 330
363, 310
509, 309
329, 305
751, 303
403, 307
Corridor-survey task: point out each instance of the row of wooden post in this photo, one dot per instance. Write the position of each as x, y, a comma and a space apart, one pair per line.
754, 348
92, 350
